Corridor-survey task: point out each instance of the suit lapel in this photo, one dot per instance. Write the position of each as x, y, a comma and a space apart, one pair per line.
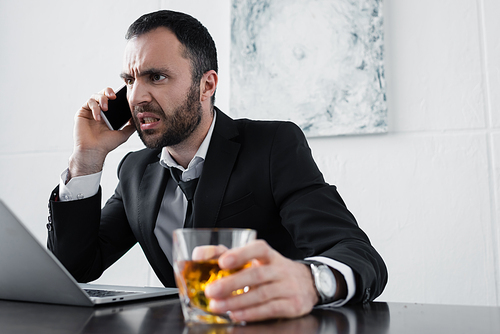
150, 195
151, 191
217, 168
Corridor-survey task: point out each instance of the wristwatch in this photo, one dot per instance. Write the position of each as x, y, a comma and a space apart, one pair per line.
324, 280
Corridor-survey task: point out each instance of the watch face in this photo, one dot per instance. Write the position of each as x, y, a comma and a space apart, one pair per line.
326, 281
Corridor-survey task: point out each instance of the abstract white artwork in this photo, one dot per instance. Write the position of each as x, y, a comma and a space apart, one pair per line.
318, 63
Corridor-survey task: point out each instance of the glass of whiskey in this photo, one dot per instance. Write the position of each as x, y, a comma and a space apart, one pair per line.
195, 254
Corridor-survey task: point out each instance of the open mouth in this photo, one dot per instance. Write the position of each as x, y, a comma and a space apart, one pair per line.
149, 120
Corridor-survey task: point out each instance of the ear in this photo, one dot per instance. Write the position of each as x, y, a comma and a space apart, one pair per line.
208, 85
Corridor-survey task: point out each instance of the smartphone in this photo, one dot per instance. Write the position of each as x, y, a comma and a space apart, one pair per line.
118, 112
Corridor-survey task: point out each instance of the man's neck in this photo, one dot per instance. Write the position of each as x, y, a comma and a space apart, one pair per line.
185, 151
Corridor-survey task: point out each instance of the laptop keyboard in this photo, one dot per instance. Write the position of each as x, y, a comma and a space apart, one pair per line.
107, 293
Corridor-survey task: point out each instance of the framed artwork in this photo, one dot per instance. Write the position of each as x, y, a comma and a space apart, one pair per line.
318, 63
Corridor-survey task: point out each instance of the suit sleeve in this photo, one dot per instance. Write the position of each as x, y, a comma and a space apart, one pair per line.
85, 243
316, 216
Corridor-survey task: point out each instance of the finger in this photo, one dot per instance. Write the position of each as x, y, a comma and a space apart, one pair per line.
89, 107
237, 257
255, 296
103, 97
109, 92
208, 252
254, 276
279, 308
101, 100
95, 108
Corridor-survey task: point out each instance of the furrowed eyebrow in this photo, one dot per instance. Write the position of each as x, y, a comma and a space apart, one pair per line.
147, 72
125, 76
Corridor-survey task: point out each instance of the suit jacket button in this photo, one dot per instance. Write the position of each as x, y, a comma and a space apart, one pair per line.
366, 298
49, 227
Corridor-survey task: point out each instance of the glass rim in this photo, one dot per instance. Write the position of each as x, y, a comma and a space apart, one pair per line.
216, 229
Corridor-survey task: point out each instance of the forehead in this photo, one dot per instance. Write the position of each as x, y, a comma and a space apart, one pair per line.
158, 48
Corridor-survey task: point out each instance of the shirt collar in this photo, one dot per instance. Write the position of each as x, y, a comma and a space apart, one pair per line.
167, 161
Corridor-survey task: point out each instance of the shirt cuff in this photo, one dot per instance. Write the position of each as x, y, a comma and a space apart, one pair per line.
79, 187
346, 271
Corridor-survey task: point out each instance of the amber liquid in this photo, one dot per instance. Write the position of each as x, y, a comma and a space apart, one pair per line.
197, 275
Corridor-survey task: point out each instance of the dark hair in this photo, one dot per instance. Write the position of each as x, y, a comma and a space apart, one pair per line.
199, 45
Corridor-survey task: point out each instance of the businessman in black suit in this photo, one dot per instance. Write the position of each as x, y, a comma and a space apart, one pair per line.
250, 174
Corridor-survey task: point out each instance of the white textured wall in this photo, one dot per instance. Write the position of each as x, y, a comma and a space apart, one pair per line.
427, 193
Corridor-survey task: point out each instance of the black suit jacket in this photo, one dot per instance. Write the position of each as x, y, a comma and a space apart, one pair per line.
257, 174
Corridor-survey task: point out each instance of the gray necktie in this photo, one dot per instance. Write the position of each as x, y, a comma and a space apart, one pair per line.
188, 188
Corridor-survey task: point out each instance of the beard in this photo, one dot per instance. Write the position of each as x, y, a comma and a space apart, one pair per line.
178, 125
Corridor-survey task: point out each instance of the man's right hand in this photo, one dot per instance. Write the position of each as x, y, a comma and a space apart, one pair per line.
93, 140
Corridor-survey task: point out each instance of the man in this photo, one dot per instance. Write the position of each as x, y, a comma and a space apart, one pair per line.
250, 174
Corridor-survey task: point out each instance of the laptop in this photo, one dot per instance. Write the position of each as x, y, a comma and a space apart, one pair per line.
30, 272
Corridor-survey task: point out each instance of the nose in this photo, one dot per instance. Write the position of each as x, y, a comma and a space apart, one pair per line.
137, 94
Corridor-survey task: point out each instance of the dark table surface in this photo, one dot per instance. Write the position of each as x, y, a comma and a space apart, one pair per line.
165, 316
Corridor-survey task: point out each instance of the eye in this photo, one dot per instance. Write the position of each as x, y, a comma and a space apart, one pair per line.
129, 81
157, 77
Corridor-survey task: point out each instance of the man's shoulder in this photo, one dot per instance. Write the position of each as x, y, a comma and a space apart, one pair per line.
145, 154
137, 159
267, 129
247, 126
265, 124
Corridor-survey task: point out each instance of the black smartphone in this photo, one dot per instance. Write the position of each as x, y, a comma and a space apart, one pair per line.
118, 112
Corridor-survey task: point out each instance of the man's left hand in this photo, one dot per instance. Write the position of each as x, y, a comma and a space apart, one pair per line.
279, 287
